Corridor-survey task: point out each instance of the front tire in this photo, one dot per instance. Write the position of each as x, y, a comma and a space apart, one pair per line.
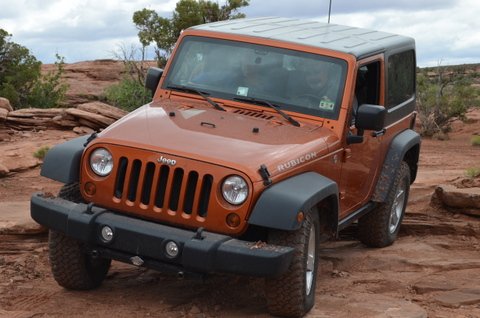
72, 267
380, 227
293, 293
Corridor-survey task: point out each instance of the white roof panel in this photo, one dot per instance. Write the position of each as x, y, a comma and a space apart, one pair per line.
352, 40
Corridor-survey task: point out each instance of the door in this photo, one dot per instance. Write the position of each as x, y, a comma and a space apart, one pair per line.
361, 161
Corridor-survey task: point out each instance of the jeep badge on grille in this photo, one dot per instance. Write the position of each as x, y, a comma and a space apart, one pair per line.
166, 161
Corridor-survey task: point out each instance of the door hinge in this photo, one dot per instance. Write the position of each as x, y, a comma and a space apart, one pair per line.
347, 154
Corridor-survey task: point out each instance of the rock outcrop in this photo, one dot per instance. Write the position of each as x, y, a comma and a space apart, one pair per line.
465, 199
93, 115
5, 104
88, 80
5, 108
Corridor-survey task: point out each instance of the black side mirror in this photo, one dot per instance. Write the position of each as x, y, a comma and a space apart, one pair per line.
369, 117
153, 78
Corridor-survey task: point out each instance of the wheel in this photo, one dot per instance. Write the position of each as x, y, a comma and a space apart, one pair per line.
72, 267
293, 293
380, 227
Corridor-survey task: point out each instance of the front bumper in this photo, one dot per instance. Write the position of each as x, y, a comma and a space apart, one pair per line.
135, 237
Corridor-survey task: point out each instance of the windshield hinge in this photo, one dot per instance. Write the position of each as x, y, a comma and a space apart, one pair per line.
265, 175
90, 138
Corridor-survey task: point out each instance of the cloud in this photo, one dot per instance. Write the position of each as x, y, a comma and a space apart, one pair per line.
446, 33
90, 29
304, 9
76, 29
444, 30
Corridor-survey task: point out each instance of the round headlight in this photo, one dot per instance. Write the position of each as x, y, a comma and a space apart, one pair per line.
235, 190
101, 162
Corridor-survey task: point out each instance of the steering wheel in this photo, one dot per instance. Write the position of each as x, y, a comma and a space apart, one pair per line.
310, 100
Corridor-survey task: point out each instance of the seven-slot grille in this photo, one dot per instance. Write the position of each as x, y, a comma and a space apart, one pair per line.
161, 187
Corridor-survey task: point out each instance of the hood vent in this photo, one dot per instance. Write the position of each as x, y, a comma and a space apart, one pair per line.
253, 114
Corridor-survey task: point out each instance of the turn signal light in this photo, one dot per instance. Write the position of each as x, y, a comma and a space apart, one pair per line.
300, 217
90, 188
233, 220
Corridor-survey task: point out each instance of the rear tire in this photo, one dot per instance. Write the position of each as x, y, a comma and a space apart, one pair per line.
380, 227
72, 267
293, 293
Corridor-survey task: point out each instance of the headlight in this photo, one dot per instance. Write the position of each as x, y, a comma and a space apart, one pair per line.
235, 190
101, 162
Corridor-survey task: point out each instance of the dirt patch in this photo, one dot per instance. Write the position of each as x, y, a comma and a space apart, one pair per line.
463, 183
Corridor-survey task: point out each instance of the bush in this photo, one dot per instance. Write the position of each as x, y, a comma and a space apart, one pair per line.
475, 140
21, 81
48, 91
128, 95
18, 71
41, 152
444, 93
473, 172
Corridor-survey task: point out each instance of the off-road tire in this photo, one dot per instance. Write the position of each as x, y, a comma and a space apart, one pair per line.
71, 192
287, 294
374, 228
72, 266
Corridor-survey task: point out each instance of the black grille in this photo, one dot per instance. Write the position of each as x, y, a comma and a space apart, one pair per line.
163, 187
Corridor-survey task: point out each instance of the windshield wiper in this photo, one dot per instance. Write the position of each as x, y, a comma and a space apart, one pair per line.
187, 89
267, 103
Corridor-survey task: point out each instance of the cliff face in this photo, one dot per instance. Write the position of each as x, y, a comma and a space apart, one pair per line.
88, 80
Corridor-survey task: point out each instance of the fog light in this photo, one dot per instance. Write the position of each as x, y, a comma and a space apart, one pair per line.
233, 220
90, 188
137, 260
171, 248
107, 234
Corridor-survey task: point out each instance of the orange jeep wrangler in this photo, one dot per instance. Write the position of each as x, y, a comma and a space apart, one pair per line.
264, 138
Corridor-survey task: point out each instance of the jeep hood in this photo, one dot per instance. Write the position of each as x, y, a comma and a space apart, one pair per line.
243, 140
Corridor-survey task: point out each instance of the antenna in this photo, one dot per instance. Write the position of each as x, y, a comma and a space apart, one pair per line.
329, 10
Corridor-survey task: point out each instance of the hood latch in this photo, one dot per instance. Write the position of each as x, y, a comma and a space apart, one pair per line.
265, 175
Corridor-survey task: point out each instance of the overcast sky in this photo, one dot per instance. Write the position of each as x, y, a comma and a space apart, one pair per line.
446, 31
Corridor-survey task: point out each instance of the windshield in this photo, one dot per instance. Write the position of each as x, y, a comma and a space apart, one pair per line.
292, 80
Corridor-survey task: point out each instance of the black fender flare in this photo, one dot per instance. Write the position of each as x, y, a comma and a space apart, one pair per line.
279, 204
62, 162
404, 146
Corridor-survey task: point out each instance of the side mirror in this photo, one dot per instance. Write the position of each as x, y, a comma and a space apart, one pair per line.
369, 117
153, 78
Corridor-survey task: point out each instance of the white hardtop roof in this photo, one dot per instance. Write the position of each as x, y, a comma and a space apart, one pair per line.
356, 41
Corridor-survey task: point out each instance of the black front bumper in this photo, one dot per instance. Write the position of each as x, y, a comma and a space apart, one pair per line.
134, 237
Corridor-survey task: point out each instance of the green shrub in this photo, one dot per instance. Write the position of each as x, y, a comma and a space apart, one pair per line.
129, 94
48, 91
19, 69
21, 81
444, 93
475, 140
41, 152
473, 172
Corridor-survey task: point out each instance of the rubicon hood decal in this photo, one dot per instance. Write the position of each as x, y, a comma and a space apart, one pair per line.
297, 161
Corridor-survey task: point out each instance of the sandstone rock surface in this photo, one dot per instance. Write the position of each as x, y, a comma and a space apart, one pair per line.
5, 104
463, 198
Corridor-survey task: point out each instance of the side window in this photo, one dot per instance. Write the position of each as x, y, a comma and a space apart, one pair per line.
401, 78
367, 85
